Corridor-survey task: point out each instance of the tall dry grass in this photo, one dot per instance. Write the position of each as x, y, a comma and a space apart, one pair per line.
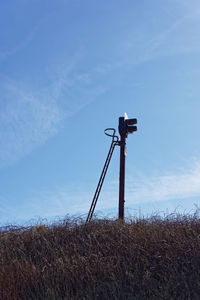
140, 259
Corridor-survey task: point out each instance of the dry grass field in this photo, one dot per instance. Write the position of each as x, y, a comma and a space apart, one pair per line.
151, 258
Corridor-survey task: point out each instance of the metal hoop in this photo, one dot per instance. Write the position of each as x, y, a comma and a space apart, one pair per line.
113, 136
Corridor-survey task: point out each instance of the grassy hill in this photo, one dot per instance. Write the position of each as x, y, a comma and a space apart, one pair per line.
140, 259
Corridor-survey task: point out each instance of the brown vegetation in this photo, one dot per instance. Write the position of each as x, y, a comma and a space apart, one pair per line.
140, 259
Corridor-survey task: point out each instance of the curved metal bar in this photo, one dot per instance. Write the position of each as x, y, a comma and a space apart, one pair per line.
113, 136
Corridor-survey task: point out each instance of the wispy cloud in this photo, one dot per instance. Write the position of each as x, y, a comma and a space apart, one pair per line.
58, 201
26, 120
174, 36
21, 44
175, 187
181, 37
184, 184
31, 115
63, 200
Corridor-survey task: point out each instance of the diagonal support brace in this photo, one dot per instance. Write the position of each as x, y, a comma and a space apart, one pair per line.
103, 174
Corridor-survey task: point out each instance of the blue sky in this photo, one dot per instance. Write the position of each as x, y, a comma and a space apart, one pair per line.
70, 69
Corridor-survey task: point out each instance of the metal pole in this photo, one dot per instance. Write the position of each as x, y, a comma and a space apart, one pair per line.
122, 177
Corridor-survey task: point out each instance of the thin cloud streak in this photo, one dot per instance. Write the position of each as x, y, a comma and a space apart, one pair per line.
58, 201
35, 116
62, 200
30, 116
179, 37
21, 45
73, 200
26, 121
182, 185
